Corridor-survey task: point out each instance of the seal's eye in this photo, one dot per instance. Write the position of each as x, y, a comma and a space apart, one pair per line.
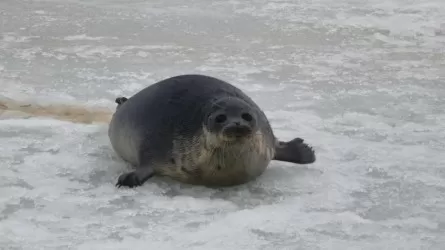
221, 118
247, 117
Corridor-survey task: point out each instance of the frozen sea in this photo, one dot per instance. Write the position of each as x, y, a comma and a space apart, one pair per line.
361, 81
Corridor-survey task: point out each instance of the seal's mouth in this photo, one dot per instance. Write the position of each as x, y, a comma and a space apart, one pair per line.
236, 131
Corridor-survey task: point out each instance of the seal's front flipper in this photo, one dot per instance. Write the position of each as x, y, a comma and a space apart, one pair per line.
295, 151
135, 178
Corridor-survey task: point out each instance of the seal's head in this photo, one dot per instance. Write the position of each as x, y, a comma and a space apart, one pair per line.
230, 119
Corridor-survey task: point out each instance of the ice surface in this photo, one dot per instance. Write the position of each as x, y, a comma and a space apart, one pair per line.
362, 81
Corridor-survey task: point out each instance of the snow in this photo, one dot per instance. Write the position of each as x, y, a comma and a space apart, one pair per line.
363, 82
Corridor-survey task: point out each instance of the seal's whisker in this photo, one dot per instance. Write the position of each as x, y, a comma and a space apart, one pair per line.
240, 153
223, 158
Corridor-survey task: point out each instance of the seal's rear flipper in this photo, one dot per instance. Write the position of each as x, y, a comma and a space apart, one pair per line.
121, 100
295, 151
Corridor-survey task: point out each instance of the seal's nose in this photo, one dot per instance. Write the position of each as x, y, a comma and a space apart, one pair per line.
237, 129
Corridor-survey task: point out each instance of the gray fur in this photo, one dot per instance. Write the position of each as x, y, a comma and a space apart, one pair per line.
164, 130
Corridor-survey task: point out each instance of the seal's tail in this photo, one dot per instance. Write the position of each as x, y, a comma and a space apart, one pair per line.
68, 112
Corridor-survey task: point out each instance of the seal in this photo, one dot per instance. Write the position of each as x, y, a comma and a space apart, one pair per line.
199, 130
